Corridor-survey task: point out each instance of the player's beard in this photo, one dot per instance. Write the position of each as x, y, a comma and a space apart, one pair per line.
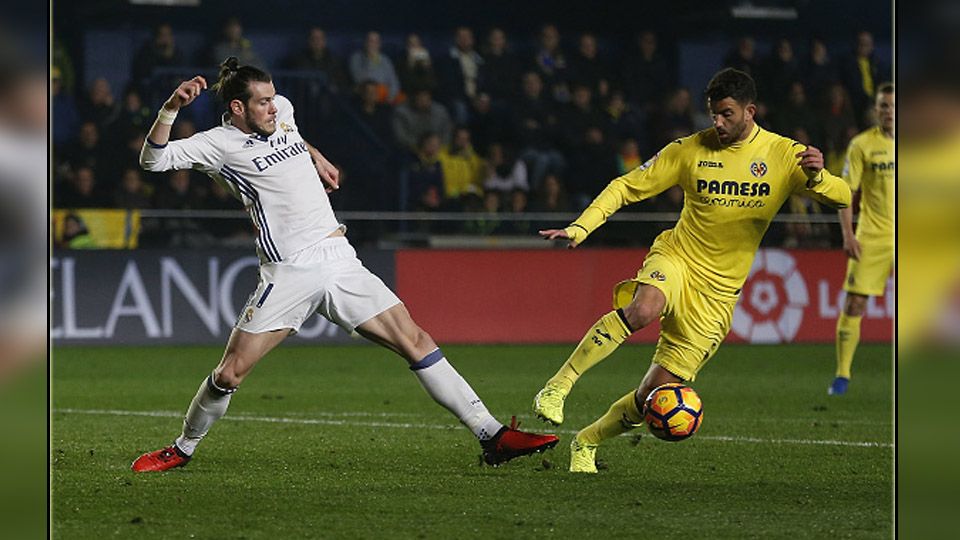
733, 134
259, 129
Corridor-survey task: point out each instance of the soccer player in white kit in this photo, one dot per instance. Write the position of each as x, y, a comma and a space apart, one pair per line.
306, 263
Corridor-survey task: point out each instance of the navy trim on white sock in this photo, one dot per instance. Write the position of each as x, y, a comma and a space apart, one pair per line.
428, 360
212, 386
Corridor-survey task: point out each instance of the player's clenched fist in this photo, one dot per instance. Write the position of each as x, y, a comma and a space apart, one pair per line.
186, 93
811, 160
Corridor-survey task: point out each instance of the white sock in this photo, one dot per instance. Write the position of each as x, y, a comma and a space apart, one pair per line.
449, 389
207, 407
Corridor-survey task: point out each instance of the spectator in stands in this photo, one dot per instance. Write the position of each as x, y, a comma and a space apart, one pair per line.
160, 51
370, 64
66, 119
797, 113
233, 43
82, 191
75, 234
425, 175
489, 123
628, 156
86, 150
537, 132
624, 121
180, 192
551, 197
317, 57
674, 119
743, 57
819, 72
577, 116
590, 164
589, 69
134, 115
839, 125
461, 74
227, 232
377, 116
418, 116
780, 70
551, 64
100, 106
415, 68
501, 69
505, 174
647, 75
133, 192
861, 73
463, 171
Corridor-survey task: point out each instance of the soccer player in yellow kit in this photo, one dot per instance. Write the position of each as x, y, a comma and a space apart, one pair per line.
735, 177
870, 167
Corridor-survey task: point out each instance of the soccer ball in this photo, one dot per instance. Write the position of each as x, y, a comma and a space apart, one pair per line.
673, 412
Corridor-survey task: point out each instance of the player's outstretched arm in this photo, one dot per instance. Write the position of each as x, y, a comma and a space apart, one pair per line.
328, 173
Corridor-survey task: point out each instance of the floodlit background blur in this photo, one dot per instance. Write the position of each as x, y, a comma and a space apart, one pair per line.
23, 254
928, 268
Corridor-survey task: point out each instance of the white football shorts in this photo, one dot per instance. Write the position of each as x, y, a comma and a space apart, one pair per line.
326, 278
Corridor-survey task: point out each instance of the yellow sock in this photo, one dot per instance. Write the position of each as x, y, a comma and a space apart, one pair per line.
848, 337
602, 339
622, 416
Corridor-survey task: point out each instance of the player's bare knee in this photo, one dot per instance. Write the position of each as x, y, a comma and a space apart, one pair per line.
639, 315
856, 304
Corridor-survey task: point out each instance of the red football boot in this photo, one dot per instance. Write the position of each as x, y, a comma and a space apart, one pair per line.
510, 442
161, 460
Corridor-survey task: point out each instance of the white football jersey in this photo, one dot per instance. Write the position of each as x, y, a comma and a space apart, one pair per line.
273, 177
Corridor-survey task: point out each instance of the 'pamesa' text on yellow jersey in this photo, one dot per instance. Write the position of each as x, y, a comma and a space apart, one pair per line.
731, 193
871, 168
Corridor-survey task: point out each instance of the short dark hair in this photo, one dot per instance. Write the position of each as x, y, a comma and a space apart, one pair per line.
234, 80
731, 83
885, 88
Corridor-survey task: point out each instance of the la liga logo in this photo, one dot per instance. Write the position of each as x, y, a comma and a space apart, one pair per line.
773, 299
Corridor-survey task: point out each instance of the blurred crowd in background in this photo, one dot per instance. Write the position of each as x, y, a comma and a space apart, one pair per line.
485, 122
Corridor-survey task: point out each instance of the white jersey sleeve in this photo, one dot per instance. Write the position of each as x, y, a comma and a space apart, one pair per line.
200, 152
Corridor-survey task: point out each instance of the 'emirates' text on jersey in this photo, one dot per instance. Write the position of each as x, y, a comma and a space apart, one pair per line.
731, 193
871, 167
273, 177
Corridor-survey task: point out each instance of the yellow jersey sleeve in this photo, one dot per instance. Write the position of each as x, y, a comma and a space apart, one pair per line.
853, 166
660, 172
825, 187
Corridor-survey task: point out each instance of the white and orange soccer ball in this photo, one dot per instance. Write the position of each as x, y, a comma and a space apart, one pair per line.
673, 412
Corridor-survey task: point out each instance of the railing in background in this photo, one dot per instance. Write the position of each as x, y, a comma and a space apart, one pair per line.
202, 228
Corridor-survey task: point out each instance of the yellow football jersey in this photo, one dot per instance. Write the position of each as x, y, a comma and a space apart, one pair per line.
731, 193
871, 167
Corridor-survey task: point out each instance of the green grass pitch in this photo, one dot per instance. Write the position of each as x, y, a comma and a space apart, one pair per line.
341, 442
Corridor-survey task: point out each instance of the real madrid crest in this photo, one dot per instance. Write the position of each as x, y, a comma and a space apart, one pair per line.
286, 127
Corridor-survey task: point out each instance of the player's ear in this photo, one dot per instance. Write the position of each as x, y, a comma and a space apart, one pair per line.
749, 111
236, 107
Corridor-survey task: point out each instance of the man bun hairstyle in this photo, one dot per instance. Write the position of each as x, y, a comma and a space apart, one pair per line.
234, 80
732, 83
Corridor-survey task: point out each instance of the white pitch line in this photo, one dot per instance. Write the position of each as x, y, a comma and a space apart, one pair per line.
407, 425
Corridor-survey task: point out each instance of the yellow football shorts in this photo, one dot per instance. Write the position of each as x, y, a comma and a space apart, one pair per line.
869, 275
692, 325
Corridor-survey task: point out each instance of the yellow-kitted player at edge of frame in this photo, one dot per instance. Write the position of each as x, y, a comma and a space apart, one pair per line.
870, 169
